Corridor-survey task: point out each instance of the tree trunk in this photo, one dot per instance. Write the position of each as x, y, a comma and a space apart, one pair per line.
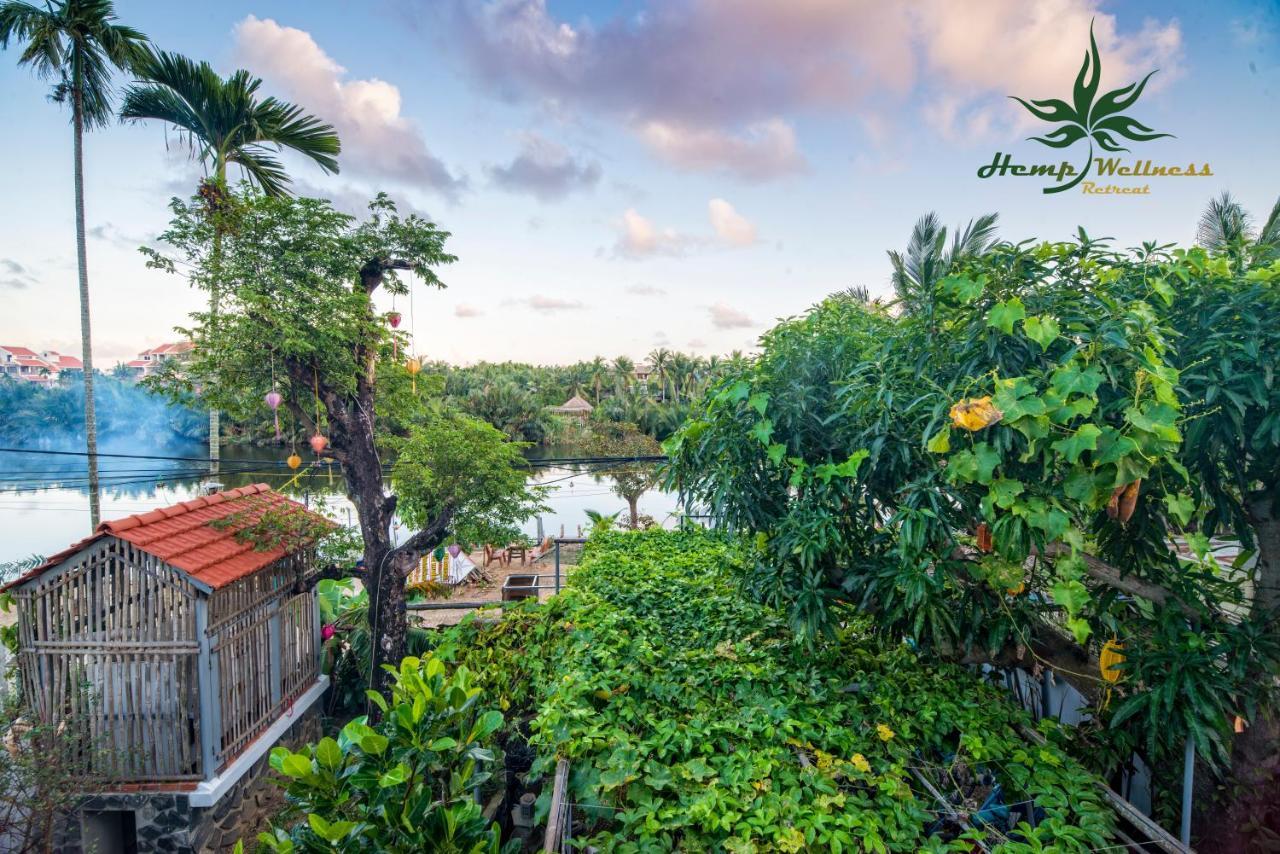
215, 418
633, 503
1266, 528
86, 339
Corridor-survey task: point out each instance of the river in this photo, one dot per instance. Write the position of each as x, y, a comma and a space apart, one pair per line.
44, 502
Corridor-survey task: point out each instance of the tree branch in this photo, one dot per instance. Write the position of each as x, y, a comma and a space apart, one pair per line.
332, 572
431, 536
1109, 575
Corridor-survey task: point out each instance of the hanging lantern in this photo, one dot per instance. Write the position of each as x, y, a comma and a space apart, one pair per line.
393, 317
1109, 659
273, 400
454, 550
318, 443
413, 365
1239, 725
293, 461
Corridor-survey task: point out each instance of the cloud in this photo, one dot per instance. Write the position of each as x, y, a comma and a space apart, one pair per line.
696, 344
645, 290
639, 237
15, 276
376, 139
1031, 50
110, 233
545, 170
731, 227
765, 150
544, 303
706, 83
724, 316
465, 310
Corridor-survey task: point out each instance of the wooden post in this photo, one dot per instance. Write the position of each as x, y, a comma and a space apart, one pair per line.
274, 671
205, 680
555, 818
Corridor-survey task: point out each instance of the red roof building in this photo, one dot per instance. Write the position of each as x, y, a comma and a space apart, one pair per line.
150, 361
23, 363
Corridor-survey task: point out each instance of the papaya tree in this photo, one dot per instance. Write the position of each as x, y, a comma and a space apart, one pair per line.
296, 281
1008, 480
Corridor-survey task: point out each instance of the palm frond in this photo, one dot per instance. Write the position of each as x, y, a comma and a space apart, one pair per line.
262, 168
225, 114
977, 237
1268, 242
1224, 223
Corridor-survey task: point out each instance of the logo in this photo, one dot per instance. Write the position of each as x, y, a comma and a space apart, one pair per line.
1096, 121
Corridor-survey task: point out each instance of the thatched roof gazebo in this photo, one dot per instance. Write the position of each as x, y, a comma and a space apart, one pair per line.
177, 645
574, 406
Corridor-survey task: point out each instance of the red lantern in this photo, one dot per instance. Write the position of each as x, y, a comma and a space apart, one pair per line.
393, 317
318, 443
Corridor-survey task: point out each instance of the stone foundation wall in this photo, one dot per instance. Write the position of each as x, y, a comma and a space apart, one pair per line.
167, 824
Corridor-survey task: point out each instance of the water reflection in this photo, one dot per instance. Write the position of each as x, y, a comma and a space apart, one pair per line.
44, 503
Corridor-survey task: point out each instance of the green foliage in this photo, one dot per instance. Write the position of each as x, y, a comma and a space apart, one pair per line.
455, 461
693, 721
1039, 386
405, 784
347, 654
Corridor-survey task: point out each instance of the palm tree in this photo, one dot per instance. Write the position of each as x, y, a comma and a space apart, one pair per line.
1226, 227
225, 123
77, 44
928, 259
599, 373
623, 371
659, 361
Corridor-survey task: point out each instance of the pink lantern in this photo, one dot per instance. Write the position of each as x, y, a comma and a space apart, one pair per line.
326, 631
273, 399
318, 443
393, 317
454, 550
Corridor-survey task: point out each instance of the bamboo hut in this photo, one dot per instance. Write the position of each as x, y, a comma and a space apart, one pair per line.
172, 642
574, 406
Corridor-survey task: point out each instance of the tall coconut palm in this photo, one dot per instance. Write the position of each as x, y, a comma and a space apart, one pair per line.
623, 371
77, 45
224, 123
599, 373
928, 259
659, 362
1225, 226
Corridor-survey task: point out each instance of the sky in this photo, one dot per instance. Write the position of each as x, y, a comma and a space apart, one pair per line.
622, 177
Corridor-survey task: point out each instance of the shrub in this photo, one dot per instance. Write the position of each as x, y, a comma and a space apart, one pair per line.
406, 783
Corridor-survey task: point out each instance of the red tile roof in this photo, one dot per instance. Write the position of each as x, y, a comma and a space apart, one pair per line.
183, 537
20, 351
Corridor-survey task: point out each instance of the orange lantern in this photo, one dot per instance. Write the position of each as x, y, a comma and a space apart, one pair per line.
293, 461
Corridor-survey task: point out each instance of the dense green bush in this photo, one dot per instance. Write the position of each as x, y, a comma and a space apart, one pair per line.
694, 721
406, 783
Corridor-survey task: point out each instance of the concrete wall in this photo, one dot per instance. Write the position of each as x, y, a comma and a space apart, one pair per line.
167, 823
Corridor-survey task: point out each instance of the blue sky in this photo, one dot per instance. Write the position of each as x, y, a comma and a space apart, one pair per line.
622, 177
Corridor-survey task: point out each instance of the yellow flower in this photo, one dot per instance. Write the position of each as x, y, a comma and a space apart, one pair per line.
860, 762
884, 732
974, 413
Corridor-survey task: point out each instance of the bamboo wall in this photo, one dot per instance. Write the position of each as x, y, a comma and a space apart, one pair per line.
113, 643
109, 644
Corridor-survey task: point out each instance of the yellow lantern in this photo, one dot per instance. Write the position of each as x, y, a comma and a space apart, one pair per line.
293, 461
1109, 659
413, 365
